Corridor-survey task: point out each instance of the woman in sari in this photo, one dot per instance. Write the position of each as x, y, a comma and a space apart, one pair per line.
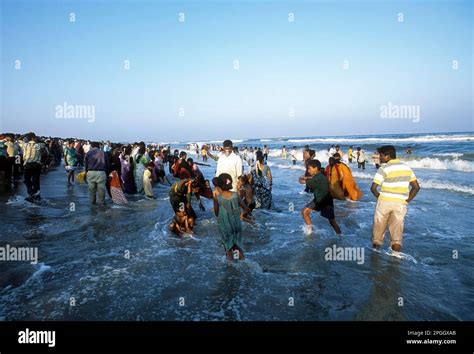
127, 168
140, 161
261, 179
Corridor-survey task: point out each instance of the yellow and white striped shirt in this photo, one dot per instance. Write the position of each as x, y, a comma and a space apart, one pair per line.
394, 177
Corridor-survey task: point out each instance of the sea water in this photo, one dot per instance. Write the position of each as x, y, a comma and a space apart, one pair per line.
122, 263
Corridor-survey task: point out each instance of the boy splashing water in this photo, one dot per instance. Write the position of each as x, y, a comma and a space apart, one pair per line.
318, 184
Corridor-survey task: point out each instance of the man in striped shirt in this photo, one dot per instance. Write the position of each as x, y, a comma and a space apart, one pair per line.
395, 179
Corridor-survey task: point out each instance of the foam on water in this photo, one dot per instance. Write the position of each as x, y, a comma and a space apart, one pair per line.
41, 268
441, 164
450, 154
413, 139
434, 184
399, 255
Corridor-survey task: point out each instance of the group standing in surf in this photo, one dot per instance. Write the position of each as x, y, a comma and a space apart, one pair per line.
242, 182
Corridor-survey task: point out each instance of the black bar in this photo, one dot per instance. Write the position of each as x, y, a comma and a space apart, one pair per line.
136, 337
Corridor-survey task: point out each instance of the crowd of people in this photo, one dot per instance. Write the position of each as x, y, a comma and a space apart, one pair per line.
242, 181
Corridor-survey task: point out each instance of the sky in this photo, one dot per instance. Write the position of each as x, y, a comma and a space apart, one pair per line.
235, 69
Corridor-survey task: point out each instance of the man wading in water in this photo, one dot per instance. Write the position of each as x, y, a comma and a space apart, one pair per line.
228, 162
395, 179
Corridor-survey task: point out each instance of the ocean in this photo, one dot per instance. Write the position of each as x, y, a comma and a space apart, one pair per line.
122, 263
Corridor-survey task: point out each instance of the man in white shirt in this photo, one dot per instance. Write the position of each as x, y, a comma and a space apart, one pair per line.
360, 157
86, 147
230, 163
293, 155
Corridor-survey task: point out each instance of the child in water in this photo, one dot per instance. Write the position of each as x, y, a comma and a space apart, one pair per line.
181, 224
227, 206
246, 195
318, 184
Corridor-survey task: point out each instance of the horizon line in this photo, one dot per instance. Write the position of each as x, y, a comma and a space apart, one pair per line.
219, 140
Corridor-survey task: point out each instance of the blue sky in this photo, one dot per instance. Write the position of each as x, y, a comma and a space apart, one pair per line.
188, 67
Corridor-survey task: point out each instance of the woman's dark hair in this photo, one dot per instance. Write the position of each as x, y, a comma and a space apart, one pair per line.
128, 150
225, 181
311, 153
261, 160
141, 150
388, 150
215, 182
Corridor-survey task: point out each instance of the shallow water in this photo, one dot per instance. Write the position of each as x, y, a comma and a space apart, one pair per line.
83, 254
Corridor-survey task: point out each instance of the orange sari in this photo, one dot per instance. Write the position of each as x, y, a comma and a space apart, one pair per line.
348, 182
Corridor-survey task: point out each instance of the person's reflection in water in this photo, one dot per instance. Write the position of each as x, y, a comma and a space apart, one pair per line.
385, 301
98, 225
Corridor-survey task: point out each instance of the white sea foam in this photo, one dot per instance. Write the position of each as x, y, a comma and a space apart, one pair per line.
40, 269
433, 184
451, 154
412, 139
395, 254
363, 175
402, 255
433, 163
286, 166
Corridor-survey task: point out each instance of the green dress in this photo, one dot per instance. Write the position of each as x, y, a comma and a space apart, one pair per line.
229, 221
